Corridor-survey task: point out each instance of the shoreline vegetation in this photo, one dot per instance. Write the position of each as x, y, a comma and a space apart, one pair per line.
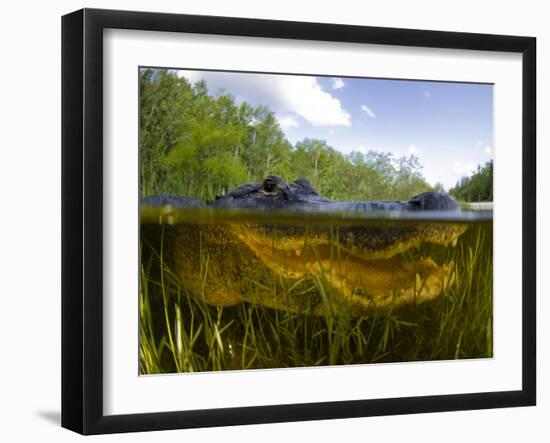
476, 189
199, 144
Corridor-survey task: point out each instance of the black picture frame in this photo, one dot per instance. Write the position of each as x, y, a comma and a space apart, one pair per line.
82, 218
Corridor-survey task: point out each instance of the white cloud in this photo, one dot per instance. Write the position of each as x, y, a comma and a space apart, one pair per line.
413, 150
487, 149
461, 169
337, 83
368, 110
284, 94
305, 96
287, 121
332, 131
427, 94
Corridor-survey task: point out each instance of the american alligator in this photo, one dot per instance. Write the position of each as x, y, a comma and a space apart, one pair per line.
275, 194
305, 265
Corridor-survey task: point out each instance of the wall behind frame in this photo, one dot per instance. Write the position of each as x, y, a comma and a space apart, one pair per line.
30, 223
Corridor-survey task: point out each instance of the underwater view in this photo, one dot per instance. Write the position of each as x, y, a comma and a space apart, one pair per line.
224, 290
292, 221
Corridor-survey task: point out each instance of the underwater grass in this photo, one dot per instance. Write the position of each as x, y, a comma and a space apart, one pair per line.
180, 333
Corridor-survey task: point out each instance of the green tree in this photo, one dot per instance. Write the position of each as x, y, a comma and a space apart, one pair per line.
164, 106
198, 144
478, 187
311, 159
205, 162
267, 150
375, 176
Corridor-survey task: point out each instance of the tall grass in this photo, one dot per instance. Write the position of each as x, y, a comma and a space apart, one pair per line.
180, 333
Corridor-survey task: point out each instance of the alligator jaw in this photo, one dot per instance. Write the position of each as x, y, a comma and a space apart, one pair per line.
370, 283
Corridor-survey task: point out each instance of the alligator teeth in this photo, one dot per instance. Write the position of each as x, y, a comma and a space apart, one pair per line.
418, 281
454, 242
298, 252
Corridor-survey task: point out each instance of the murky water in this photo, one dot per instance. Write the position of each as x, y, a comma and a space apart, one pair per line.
322, 264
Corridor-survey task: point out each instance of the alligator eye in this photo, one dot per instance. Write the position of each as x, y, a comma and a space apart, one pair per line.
275, 187
269, 186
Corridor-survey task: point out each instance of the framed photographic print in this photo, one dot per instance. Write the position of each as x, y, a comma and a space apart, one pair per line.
269, 221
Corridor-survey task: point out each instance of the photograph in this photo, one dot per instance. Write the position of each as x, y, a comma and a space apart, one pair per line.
272, 221
291, 221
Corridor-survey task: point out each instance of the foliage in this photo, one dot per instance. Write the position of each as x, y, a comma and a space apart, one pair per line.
374, 176
478, 187
201, 145
164, 109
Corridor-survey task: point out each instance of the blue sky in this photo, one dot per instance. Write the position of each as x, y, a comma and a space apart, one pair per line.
448, 126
